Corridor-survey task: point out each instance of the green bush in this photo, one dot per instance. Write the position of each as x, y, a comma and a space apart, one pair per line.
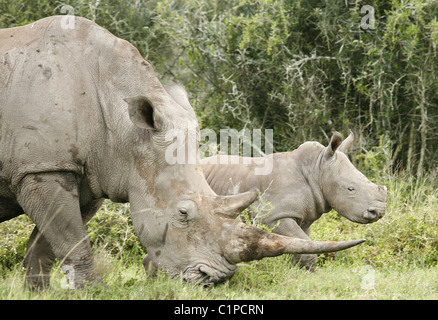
111, 230
302, 68
305, 68
13, 241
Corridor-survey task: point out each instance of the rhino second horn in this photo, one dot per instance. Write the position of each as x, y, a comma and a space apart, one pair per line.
231, 206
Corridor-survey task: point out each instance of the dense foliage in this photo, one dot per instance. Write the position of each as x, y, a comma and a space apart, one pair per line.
302, 68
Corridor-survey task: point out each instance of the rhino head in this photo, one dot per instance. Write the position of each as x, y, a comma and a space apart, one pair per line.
345, 188
186, 228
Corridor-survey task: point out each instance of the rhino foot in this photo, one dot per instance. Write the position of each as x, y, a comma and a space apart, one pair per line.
150, 267
307, 261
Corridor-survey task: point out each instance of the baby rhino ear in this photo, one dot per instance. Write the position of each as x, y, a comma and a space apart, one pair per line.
347, 143
334, 144
142, 112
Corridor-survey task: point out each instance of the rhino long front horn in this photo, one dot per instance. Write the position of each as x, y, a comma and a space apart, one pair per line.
231, 206
248, 243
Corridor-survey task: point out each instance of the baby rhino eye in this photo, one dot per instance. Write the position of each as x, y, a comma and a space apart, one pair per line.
350, 189
183, 211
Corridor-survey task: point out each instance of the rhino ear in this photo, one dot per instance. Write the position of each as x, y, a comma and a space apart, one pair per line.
345, 145
142, 113
334, 144
179, 93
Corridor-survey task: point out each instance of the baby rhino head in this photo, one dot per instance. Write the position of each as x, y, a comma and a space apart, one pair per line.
345, 188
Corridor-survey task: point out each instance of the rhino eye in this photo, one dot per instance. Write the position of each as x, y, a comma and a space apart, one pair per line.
350, 189
186, 209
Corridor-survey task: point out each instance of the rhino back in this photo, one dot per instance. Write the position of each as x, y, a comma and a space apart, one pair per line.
46, 108
281, 186
61, 100
237, 174
228, 179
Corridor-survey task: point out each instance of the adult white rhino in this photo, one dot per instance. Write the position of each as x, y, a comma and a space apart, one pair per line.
83, 117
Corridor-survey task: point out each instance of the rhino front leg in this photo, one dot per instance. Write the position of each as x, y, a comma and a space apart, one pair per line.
40, 258
289, 227
51, 200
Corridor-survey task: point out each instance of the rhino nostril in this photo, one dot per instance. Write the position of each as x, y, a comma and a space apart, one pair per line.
205, 279
370, 214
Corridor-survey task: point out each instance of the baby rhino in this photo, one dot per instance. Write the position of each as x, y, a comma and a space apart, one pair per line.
302, 185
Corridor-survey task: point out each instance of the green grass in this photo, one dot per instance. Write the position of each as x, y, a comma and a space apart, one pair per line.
398, 261
266, 279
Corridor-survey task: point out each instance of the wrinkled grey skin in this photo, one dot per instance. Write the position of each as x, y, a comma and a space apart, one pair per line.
304, 184
82, 118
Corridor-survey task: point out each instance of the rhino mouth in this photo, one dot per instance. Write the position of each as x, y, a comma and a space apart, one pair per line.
208, 275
